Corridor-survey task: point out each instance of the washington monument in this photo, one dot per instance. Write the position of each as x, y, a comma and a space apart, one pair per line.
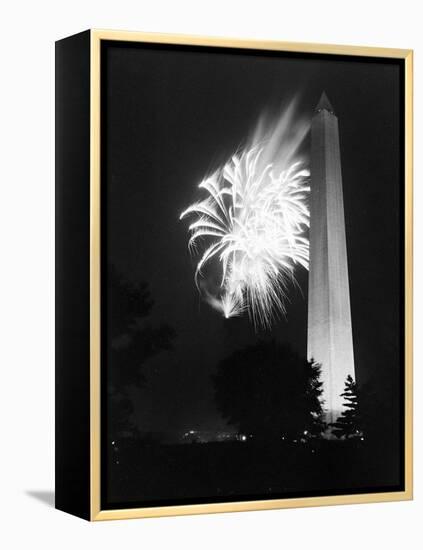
329, 338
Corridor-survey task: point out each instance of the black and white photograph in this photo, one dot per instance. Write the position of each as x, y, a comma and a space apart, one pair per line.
211, 266
252, 275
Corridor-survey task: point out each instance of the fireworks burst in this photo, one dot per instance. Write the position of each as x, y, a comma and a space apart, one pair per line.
253, 223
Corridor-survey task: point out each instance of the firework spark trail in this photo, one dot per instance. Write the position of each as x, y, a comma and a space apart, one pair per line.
253, 221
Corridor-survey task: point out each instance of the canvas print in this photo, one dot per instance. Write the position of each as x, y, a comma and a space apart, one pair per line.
252, 275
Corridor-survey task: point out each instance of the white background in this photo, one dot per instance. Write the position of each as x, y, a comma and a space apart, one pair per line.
28, 32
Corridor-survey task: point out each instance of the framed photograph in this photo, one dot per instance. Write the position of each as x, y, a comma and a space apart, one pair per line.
234, 275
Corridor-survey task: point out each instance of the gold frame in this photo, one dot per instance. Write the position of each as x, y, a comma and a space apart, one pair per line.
96, 514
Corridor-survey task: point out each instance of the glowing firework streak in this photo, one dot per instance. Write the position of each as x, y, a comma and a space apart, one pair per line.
253, 221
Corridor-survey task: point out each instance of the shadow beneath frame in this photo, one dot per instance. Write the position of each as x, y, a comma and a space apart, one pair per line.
46, 497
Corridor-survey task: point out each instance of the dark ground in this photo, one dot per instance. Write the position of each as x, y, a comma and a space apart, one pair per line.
195, 473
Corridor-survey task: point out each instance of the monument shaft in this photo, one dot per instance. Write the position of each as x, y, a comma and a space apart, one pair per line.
329, 336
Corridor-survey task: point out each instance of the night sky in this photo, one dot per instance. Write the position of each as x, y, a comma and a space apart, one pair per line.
172, 116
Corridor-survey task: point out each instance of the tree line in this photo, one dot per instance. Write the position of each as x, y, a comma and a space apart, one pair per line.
270, 391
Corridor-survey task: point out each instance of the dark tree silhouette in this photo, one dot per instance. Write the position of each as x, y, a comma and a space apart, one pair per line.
126, 303
269, 391
349, 423
313, 399
132, 341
